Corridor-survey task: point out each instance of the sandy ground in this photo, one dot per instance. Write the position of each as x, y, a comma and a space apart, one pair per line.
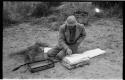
105, 34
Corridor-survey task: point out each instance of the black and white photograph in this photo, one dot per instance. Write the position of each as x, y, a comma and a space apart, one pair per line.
62, 40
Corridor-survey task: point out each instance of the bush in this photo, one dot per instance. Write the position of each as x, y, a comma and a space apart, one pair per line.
44, 9
81, 10
53, 4
23, 11
14, 12
55, 26
110, 9
40, 10
52, 18
7, 19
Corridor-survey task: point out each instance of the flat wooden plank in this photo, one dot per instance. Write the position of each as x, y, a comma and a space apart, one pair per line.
76, 58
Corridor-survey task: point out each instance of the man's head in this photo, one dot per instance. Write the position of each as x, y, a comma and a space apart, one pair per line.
71, 21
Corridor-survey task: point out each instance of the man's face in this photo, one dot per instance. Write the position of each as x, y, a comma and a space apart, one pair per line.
71, 22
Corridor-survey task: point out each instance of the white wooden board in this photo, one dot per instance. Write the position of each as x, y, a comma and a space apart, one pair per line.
76, 58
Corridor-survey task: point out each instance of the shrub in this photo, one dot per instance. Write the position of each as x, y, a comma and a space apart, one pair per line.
55, 26
14, 12
81, 10
40, 10
7, 20
44, 8
110, 9
52, 18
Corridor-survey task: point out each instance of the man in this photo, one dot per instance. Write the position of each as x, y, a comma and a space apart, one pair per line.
71, 34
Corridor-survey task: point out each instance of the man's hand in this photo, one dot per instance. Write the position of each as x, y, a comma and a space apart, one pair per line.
69, 51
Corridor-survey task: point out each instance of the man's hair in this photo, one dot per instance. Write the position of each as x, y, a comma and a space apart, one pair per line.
71, 20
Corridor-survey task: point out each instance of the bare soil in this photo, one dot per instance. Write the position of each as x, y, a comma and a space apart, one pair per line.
104, 34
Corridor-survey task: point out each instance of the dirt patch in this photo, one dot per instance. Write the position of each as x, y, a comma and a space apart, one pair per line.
105, 35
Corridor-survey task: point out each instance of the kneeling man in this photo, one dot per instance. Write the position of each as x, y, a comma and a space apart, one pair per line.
71, 34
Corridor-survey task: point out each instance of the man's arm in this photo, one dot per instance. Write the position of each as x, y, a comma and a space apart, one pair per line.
62, 38
82, 35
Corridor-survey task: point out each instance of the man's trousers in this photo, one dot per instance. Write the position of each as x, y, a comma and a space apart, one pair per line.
59, 52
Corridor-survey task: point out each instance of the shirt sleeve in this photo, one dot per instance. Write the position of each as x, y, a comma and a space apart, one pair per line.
82, 35
62, 38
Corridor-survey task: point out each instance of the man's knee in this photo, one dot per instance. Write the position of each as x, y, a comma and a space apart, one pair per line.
53, 52
61, 54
